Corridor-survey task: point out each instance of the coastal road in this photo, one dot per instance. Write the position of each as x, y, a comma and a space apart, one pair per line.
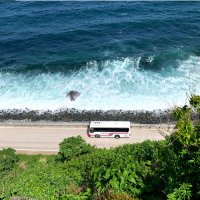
46, 139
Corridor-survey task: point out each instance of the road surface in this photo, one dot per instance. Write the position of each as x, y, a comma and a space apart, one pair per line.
46, 139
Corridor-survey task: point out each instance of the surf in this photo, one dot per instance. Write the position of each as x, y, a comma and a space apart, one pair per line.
112, 84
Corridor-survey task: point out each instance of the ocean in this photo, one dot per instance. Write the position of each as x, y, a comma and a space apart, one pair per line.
117, 55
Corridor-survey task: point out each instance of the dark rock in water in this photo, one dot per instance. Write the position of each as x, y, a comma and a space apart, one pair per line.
73, 95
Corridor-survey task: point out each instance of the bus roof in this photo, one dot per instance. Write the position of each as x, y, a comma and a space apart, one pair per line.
110, 124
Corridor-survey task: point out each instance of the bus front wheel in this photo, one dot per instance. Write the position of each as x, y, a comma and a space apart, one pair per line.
97, 136
117, 136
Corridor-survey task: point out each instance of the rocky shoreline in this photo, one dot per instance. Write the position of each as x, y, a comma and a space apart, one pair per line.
73, 115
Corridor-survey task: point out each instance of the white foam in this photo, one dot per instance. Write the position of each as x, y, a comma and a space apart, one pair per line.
118, 84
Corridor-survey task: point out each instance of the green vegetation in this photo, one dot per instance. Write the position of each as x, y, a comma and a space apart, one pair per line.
73, 147
153, 170
8, 160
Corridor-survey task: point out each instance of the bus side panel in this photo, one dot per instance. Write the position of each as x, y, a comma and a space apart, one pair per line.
110, 134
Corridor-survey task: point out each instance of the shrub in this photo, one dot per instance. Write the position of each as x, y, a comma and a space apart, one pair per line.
8, 160
72, 147
186, 143
181, 193
195, 102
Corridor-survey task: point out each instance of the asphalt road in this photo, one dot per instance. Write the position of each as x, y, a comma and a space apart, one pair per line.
46, 139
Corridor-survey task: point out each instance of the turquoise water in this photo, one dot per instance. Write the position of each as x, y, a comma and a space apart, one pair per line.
118, 55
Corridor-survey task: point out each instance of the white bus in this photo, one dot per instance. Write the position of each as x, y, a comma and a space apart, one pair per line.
114, 129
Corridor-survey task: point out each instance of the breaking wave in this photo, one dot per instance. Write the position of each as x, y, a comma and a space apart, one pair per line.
113, 84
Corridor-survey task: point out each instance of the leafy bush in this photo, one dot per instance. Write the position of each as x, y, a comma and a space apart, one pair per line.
8, 160
181, 193
186, 143
195, 102
72, 147
39, 180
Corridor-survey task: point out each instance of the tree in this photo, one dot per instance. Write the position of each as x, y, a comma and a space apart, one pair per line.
186, 143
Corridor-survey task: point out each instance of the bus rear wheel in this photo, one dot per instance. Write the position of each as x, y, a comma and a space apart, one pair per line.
117, 136
97, 136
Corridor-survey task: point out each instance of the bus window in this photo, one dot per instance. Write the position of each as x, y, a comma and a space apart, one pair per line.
110, 130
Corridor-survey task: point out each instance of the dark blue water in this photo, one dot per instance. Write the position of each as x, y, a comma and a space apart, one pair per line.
118, 55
